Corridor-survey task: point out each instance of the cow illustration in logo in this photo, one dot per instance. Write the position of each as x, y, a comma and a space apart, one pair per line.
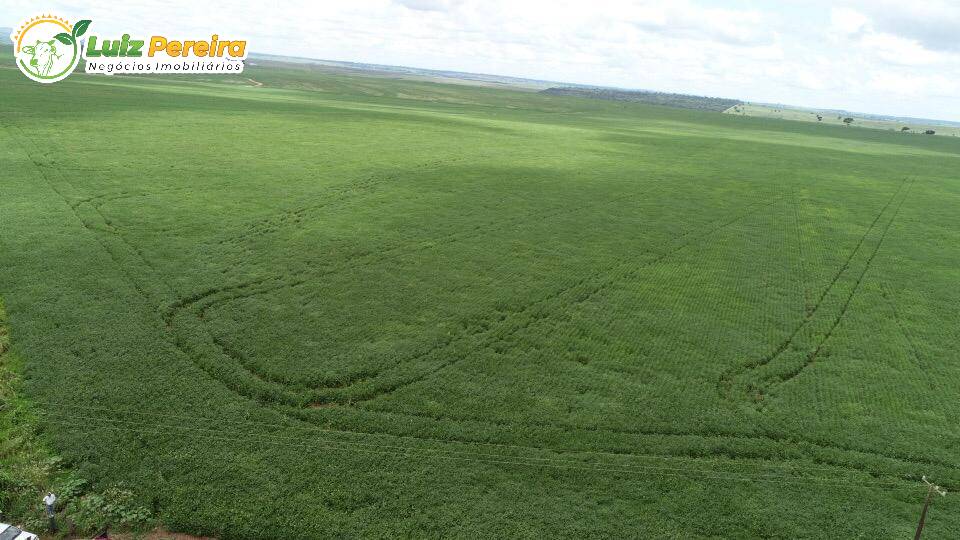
42, 56
47, 48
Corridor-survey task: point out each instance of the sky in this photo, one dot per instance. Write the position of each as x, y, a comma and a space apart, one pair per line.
895, 57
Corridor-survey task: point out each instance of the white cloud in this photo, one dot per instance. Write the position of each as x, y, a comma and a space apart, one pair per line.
848, 21
429, 5
932, 23
898, 50
683, 19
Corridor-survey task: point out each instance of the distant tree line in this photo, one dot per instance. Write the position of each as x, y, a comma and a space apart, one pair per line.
682, 101
927, 132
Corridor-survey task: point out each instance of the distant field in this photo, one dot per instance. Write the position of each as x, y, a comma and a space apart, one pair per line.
298, 304
833, 118
681, 101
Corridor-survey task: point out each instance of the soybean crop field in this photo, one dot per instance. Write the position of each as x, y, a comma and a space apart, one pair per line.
316, 304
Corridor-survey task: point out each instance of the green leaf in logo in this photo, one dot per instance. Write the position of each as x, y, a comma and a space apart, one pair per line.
64, 38
81, 27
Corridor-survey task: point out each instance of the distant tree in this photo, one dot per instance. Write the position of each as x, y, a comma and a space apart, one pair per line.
929, 132
905, 128
848, 120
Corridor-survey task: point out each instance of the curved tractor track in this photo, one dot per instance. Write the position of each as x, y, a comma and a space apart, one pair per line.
754, 380
495, 326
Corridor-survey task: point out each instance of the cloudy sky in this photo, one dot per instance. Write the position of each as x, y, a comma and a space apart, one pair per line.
899, 57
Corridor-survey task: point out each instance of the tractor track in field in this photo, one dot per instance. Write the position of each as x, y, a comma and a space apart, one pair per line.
106, 228
493, 452
99, 200
718, 436
204, 300
891, 471
725, 385
601, 282
138, 283
489, 327
209, 298
529, 311
109, 229
846, 304
249, 366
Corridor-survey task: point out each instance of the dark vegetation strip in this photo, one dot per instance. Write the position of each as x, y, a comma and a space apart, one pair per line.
682, 101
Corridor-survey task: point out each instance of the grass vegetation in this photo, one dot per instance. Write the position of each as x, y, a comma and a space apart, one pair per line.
28, 470
330, 305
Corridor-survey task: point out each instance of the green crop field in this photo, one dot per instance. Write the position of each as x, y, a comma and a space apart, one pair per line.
325, 304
